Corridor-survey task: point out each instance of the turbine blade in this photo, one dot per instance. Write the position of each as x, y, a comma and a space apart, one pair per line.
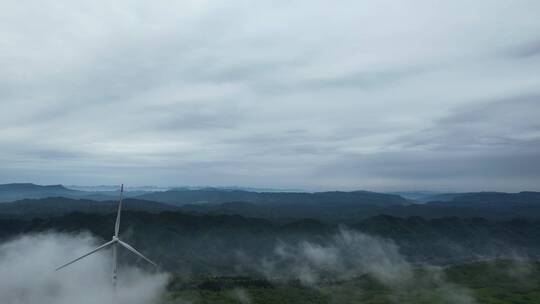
117, 224
128, 247
89, 253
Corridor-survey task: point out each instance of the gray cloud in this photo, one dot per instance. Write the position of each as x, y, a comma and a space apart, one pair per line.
526, 50
348, 255
443, 171
280, 94
507, 123
352, 255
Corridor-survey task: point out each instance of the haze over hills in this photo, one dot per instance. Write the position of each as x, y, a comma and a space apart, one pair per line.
210, 237
492, 198
217, 196
56, 206
181, 196
281, 213
18, 191
114, 188
210, 244
426, 196
333, 207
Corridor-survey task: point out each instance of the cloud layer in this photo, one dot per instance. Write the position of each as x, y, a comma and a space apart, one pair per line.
352, 255
302, 94
27, 273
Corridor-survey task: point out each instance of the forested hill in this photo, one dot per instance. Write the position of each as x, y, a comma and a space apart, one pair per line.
214, 244
340, 212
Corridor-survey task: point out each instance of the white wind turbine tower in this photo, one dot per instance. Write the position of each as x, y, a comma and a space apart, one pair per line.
114, 245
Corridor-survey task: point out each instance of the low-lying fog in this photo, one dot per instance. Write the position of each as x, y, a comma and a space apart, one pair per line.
27, 274
27, 266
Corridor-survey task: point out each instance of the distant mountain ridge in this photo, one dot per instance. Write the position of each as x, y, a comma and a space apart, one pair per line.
218, 196
110, 188
529, 197
18, 191
332, 206
486, 196
30, 186
56, 206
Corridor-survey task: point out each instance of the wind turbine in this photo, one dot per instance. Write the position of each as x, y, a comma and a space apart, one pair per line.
114, 244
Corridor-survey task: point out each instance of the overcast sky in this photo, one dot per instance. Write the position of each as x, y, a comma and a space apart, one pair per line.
378, 95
